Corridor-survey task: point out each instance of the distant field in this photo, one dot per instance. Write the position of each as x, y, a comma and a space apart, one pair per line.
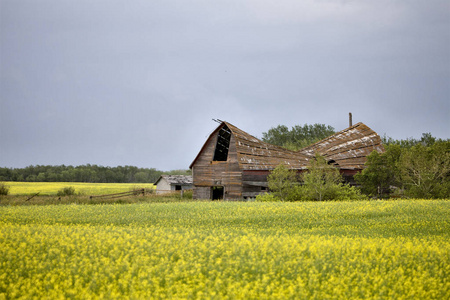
51, 188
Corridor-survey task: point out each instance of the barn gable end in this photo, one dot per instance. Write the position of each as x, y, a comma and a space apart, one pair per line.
217, 175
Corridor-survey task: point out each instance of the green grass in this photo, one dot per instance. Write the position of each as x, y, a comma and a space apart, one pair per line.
226, 250
83, 188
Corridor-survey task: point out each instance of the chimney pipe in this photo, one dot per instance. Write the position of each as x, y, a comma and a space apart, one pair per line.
350, 122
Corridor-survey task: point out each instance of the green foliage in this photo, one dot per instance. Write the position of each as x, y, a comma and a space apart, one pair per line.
320, 182
347, 192
4, 189
281, 181
187, 194
381, 172
425, 171
66, 191
427, 139
321, 179
266, 197
298, 136
419, 170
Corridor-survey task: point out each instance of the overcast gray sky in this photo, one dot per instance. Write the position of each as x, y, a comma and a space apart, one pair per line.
112, 83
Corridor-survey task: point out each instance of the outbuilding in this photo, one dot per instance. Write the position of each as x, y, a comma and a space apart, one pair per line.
169, 183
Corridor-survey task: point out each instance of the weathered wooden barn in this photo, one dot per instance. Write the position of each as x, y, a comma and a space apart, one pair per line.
234, 165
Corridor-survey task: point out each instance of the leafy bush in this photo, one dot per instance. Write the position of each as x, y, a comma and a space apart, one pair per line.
187, 194
66, 191
266, 197
347, 192
4, 189
281, 181
320, 182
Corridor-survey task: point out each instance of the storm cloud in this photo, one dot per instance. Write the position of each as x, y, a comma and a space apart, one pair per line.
139, 82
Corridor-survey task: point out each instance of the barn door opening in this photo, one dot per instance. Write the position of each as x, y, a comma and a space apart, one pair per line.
217, 192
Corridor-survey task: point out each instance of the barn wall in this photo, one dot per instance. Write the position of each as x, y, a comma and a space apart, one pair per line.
208, 173
201, 192
254, 182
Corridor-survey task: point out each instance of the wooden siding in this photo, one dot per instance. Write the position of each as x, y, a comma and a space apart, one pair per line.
208, 173
201, 192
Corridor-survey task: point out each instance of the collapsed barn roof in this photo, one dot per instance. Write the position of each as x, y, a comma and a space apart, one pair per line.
346, 149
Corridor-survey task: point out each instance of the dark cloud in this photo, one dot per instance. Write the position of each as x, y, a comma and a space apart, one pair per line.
114, 83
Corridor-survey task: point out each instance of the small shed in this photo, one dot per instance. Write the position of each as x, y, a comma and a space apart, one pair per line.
169, 183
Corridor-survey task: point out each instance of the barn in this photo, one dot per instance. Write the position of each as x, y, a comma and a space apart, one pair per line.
234, 165
168, 183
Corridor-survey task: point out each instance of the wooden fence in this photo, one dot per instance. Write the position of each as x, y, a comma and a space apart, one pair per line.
118, 195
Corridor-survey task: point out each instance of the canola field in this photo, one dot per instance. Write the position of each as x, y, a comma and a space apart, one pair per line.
225, 250
83, 188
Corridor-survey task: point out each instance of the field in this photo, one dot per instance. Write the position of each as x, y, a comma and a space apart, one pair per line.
83, 188
225, 250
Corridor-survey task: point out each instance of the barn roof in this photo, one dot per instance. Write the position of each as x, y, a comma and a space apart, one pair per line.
176, 179
347, 149
254, 154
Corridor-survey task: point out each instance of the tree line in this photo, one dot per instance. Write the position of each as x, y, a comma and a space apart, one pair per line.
298, 136
408, 168
85, 173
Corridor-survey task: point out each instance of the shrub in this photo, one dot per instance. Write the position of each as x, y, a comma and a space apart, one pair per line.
66, 191
187, 194
4, 189
281, 181
266, 197
347, 192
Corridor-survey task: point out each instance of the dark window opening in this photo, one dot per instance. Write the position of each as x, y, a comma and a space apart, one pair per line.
333, 162
178, 188
263, 188
217, 192
223, 144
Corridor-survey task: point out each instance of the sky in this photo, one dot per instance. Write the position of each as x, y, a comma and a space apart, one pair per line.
138, 83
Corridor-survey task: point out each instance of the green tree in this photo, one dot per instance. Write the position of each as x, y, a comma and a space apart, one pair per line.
414, 168
381, 172
281, 181
427, 139
425, 171
4, 189
141, 177
321, 180
298, 136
